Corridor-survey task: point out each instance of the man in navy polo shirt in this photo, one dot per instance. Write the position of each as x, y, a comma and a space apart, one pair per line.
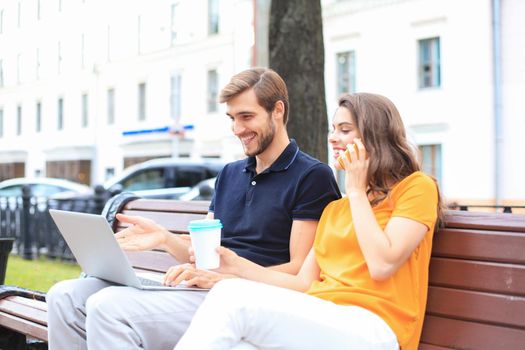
269, 204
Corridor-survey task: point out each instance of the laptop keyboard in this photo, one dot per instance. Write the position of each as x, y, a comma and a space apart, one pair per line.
149, 282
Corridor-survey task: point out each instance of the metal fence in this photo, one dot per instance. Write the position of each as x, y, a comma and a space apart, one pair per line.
27, 219
495, 208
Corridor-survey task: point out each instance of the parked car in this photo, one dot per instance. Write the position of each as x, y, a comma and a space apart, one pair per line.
41, 187
203, 191
164, 178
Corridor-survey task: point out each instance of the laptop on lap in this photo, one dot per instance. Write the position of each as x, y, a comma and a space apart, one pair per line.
96, 250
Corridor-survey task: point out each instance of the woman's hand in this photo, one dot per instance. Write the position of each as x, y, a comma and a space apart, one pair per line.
142, 234
356, 167
230, 261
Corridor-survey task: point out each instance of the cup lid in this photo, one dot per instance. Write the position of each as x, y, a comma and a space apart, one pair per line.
205, 224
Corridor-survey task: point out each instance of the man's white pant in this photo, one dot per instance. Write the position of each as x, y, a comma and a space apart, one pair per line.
90, 313
239, 312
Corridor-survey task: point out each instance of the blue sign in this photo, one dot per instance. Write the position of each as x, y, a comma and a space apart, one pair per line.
157, 130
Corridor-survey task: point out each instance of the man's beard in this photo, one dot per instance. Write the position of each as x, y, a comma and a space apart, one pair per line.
265, 139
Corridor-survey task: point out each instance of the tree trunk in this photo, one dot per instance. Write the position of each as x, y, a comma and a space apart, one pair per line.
297, 54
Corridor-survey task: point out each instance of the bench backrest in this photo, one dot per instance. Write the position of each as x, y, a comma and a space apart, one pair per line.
174, 215
476, 296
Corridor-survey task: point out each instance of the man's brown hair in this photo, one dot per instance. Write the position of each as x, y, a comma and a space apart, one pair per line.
268, 86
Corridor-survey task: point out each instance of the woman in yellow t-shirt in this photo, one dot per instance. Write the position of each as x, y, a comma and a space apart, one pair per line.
366, 276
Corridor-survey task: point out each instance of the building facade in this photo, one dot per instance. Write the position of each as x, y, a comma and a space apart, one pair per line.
88, 87
438, 62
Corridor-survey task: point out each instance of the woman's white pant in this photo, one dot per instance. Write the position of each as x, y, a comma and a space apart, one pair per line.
244, 314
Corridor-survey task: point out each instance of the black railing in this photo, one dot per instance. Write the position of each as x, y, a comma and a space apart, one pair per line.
498, 208
27, 219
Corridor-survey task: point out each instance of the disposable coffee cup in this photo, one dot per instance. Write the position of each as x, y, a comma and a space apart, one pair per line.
205, 239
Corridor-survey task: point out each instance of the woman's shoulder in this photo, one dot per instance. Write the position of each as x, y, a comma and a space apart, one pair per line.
417, 179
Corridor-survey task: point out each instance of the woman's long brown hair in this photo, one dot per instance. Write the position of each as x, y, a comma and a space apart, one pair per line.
392, 158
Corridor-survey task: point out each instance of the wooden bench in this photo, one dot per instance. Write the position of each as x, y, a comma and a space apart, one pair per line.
477, 278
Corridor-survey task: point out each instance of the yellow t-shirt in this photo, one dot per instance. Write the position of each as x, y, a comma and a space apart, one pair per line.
399, 300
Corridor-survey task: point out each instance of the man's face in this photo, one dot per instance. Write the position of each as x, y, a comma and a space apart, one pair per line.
251, 123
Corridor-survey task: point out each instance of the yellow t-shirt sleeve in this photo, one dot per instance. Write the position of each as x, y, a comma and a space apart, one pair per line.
417, 200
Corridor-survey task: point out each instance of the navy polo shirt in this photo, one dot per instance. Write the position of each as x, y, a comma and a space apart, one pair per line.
257, 210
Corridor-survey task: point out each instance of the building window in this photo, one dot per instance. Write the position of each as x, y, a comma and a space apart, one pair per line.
19, 120
19, 15
85, 107
74, 170
108, 42
38, 122
429, 63
59, 57
111, 106
83, 50
139, 34
1, 122
213, 88
345, 72
213, 17
142, 101
175, 97
18, 68
431, 160
173, 26
38, 10
59, 5
1, 73
37, 73
1, 21
60, 114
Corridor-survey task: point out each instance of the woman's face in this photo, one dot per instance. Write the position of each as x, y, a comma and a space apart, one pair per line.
343, 132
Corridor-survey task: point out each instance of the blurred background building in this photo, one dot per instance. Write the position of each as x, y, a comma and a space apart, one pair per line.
88, 87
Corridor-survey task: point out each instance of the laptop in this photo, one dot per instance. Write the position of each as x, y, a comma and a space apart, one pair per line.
97, 251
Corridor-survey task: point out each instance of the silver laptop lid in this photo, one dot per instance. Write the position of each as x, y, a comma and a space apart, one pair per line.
93, 244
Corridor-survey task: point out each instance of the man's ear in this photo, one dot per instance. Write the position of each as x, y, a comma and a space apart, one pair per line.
278, 110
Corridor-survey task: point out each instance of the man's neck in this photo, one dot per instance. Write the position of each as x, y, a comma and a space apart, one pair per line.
272, 152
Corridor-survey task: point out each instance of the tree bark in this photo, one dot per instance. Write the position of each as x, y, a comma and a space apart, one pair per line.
297, 54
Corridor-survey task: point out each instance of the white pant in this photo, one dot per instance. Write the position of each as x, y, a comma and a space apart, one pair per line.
239, 313
90, 313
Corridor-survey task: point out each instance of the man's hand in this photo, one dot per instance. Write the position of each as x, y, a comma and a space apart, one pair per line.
142, 234
193, 277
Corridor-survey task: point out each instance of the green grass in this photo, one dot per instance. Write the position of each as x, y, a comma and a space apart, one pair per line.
38, 274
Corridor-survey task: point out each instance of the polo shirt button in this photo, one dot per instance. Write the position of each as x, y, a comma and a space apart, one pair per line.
253, 183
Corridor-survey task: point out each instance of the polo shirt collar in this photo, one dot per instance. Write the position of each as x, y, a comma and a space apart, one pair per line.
282, 163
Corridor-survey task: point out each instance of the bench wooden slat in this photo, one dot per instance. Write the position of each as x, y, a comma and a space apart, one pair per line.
476, 306
22, 325
476, 275
16, 306
32, 303
152, 261
177, 223
508, 247
457, 334
485, 221
197, 207
424, 346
